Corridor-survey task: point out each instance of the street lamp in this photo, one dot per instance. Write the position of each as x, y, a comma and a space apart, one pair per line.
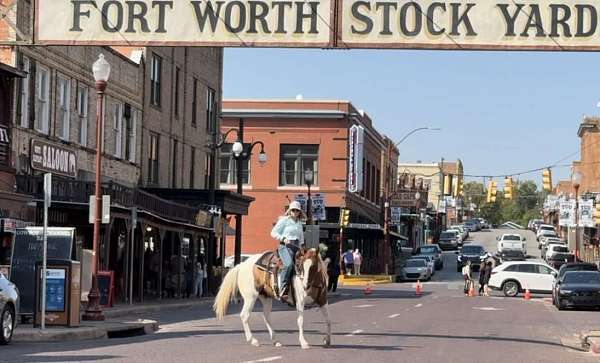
101, 71
308, 179
576, 180
416, 130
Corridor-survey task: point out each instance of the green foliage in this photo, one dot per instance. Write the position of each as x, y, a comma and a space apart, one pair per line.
526, 203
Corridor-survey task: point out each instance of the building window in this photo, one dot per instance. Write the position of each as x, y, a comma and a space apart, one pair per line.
155, 80
228, 166
82, 112
153, 159
195, 102
378, 187
367, 186
174, 164
208, 170
63, 113
118, 128
176, 101
130, 117
42, 96
211, 111
192, 166
24, 92
295, 159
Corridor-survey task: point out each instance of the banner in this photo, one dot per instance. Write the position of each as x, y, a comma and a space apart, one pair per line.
567, 213
586, 213
356, 141
318, 205
422, 24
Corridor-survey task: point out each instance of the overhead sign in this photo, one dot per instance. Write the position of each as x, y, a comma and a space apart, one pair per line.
356, 141
424, 24
53, 158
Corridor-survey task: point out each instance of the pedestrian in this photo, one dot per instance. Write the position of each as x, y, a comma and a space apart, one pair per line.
189, 279
486, 280
357, 261
348, 261
333, 270
466, 272
482, 272
198, 284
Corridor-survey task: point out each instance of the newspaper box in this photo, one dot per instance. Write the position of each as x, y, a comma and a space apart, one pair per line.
63, 292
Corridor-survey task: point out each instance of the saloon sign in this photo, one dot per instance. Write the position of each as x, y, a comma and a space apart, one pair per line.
53, 158
426, 24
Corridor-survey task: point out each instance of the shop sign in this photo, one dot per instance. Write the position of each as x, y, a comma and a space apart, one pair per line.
355, 159
53, 158
403, 199
4, 139
555, 25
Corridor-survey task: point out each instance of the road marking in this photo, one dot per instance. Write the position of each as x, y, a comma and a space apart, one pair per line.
394, 316
488, 308
268, 359
418, 305
354, 333
497, 298
363, 306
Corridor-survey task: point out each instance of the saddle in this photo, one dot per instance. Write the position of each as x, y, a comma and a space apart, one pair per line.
270, 263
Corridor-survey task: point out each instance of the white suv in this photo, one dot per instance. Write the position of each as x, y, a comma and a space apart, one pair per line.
515, 277
512, 242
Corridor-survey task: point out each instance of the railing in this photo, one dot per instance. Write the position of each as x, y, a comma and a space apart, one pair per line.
76, 191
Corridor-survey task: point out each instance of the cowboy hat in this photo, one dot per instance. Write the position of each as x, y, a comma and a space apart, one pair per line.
294, 205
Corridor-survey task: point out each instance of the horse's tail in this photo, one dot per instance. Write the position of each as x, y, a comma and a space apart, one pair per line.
227, 291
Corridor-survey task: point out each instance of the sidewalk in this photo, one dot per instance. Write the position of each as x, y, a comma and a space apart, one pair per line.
363, 280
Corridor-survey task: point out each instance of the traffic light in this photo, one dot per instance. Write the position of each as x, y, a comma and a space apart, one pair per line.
447, 184
508, 188
344, 217
597, 213
547, 180
459, 187
491, 192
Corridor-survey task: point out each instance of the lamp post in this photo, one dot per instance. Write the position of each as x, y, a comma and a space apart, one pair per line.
241, 155
576, 180
309, 176
101, 70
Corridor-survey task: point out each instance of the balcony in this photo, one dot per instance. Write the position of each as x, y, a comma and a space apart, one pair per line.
76, 191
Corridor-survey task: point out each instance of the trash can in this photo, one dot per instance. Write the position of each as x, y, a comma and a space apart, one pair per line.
63, 292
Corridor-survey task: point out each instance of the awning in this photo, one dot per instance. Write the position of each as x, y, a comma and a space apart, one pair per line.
398, 235
7, 70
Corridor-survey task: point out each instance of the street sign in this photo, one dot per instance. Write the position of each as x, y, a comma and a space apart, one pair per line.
104, 212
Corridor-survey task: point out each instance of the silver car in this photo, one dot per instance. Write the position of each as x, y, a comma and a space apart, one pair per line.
9, 309
415, 270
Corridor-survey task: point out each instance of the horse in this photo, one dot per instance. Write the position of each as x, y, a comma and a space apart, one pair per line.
309, 285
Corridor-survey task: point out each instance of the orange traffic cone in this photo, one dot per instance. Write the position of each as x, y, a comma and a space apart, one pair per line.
368, 290
418, 288
472, 290
527, 294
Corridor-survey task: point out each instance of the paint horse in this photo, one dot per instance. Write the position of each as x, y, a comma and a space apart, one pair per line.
309, 285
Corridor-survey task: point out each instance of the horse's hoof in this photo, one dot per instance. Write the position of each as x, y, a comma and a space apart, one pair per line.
305, 346
255, 342
278, 344
327, 342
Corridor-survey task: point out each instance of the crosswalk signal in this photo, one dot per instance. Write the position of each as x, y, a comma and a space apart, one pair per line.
344, 217
597, 213
508, 188
547, 180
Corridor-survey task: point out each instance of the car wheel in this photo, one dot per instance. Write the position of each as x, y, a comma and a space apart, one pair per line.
7, 324
510, 288
559, 304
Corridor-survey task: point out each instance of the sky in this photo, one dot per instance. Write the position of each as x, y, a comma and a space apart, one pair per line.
499, 112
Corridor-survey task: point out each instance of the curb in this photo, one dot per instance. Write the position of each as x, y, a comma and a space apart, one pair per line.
97, 331
140, 309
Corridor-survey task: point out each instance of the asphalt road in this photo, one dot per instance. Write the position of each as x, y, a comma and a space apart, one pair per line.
391, 325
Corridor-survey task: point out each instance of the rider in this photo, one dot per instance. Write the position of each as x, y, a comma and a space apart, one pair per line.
288, 231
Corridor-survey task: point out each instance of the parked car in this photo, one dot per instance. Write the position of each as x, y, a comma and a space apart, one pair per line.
229, 260
578, 288
449, 240
515, 277
572, 266
471, 252
534, 223
429, 260
543, 228
545, 235
556, 249
415, 270
464, 233
484, 224
432, 250
545, 239
9, 309
548, 244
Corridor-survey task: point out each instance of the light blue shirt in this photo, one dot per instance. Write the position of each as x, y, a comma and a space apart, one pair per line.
289, 229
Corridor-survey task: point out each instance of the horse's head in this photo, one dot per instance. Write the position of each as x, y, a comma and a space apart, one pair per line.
313, 270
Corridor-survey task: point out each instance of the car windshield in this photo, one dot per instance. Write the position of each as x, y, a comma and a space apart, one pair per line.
447, 234
561, 249
473, 250
546, 228
511, 238
431, 249
415, 263
582, 278
424, 258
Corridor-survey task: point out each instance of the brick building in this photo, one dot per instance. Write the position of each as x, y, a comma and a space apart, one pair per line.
313, 135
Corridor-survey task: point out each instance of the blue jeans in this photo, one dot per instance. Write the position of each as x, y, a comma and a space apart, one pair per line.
286, 256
